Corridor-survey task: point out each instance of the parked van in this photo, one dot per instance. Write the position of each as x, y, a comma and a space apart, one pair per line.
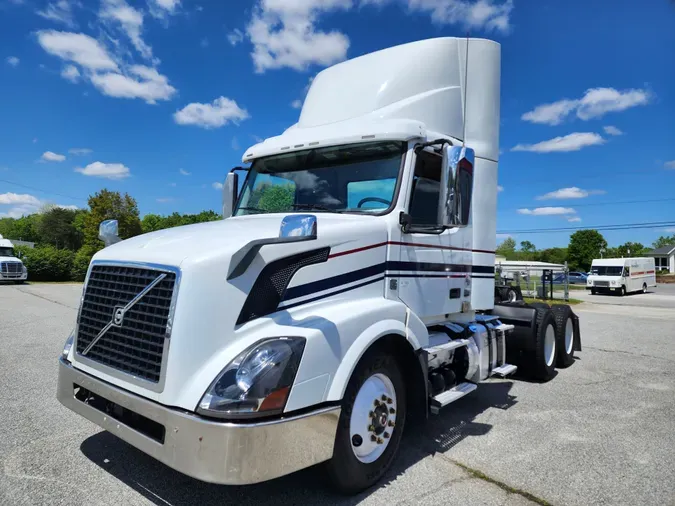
624, 275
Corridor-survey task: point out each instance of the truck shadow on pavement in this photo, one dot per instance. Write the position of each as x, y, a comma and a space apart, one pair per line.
163, 486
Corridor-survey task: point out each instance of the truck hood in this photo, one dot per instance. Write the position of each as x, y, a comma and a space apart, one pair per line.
10, 259
194, 244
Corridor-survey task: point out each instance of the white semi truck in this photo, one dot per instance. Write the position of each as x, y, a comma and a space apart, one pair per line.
348, 290
11, 267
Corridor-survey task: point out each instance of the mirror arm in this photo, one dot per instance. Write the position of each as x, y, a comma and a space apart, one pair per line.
437, 142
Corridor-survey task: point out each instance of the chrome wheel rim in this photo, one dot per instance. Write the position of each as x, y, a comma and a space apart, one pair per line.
512, 296
569, 333
644, 288
549, 345
373, 418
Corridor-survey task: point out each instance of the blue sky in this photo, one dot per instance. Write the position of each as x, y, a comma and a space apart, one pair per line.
160, 98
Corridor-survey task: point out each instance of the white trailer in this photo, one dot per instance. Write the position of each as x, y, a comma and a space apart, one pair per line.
621, 275
349, 288
11, 267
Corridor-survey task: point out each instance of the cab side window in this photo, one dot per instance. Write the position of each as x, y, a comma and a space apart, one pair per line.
426, 190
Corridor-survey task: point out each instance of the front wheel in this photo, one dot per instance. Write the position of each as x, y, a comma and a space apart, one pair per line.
623, 291
593, 291
371, 424
644, 288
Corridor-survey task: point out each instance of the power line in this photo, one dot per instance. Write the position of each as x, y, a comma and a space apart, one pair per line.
42, 191
609, 203
626, 226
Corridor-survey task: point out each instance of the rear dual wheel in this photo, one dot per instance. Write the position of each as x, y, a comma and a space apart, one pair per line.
542, 359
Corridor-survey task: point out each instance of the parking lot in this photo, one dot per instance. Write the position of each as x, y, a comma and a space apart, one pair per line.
601, 432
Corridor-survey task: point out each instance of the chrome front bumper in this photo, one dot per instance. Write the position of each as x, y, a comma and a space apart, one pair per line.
216, 452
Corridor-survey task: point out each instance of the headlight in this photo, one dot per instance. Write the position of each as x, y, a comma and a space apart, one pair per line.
613, 282
257, 382
23, 269
68, 346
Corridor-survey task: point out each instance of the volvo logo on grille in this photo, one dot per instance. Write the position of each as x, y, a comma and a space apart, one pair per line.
119, 312
118, 316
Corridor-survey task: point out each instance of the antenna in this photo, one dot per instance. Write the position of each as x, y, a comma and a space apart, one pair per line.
466, 79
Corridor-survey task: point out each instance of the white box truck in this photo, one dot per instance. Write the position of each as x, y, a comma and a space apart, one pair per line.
621, 275
11, 267
348, 289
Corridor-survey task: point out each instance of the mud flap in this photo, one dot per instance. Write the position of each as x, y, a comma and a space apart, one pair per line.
577, 332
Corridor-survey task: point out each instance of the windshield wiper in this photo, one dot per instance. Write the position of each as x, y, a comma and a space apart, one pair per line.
256, 209
316, 207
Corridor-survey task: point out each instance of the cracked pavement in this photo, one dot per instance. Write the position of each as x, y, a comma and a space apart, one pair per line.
601, 432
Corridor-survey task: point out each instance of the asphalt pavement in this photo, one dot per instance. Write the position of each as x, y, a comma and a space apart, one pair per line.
601, 432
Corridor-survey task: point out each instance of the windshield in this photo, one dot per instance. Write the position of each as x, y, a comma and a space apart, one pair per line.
607, 270
6, 251
358, 178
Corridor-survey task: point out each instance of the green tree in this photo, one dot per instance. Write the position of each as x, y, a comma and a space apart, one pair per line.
276, 198
585, 245
507, 248
629, 249
661, 242
527, 247
56, 227
151, 223
109, 205
553, 255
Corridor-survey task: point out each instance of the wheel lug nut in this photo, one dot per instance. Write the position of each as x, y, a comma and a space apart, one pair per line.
384, 398
371, 428
380, 440
371, 414
391, 424
373, 438
392, 411
389, 400
377, 403
386, 435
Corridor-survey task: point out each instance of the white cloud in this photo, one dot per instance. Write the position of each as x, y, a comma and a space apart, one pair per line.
13, 61
164, 200
77, 48
217, 186
184, 172
500, 188
141, 82
167, 5
49, 156
595, 103
670, 229
503, 236
60, 11
612, 130
550, 114
574, 219
488, 15
547, 211
670, 164
296, 104
214, 115
235, 37
570, 142
284, 34
79, 151
130, 21
235, 144
70, 73
570, 193
105, 170
19, 199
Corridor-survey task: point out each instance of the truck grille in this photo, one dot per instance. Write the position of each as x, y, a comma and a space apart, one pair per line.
136, 346
601, 283
11, 269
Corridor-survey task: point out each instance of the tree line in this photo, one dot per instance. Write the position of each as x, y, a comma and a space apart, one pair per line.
584, 246
67, 239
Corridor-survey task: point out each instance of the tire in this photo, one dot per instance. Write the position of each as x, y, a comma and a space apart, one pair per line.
623, 290
511, 295
541, 361
564, 335
644, 287
348, 472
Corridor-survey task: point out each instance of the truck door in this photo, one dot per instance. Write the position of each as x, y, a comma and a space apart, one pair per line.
432, 274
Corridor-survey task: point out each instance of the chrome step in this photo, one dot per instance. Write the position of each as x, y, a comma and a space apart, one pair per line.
449, 346
504, 370
505, 327
445, 398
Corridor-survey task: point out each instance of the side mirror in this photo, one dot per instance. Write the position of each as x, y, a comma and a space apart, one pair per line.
230, 194
454, 208
108, 232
